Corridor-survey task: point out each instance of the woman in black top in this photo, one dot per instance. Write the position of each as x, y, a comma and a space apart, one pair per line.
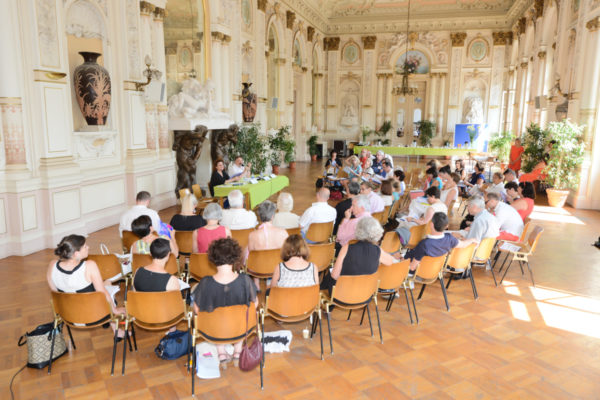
227, 287
187, 220
220, 176
333, 160
154, 277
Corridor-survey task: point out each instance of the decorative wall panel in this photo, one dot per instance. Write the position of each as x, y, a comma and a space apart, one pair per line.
2, 217
102, 195
47, 32
28, 213
57, 129
66, 206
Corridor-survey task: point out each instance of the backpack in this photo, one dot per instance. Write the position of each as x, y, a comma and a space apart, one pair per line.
174, 345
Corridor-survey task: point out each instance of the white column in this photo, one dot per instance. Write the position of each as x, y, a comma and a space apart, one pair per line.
217, 76
431, 97
454, 99
225, 82
388, 97
441, 103
146, 9
380, 97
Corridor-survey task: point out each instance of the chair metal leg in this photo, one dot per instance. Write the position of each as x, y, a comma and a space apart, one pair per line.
379, 324
129, 342
521, 266
124, 351
189, 348
496, 257
444, 292
390, 301
506, 271
504, 262
530, 273
71, 337
414, 305
262, 360
329, 329
193, 374
493, 276
475, 295
52, 339
449, 280
363, 316
349, 314
321, 336
313, 327
408, 306
133, 336
114, 355
369, 315
423, 286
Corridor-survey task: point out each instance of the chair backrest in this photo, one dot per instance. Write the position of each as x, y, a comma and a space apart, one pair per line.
154, 310
451, 208
385, 215
321, 255
141, 260
199, 266
534, 237
525, 230
430, 267
293, 301
391, 242
355, 289
225, 324
183, 192
484, 250
392, 276
263, 262
394, 208
185, 241
416, 234
342, 173
241, 235
460, 258
108, 264
197, 191
320, 231
293, 231
378, 216
128, 239
81, 308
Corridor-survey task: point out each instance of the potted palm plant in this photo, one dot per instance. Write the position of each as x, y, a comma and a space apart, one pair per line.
565, 159
313, 150
500, 144
426, 131
534, 143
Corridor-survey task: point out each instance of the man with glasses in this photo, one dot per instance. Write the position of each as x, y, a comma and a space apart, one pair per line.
484, 224
509, 220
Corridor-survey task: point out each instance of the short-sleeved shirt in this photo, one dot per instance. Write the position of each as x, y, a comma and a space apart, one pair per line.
362, 258
475, 177
432, 246
210, 294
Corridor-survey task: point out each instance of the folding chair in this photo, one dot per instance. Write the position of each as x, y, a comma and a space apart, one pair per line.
141, 260
429, 271
378, 215
320, 232
108, 264
522, 239
262, 263
185, 243
200, 266
241, 235
483, 254
525, 251
416, 235
390, 242
459, 262
127, 240
391, 279
322, 255
293, 231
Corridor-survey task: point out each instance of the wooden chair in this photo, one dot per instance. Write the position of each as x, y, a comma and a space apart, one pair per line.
293, 304
155, 311
185, 242
183, 192
459, 262
241, 235
82, 311
525, 251
294, 231
483, 254
391, 242
430, 270
200, 266
451, 208
378, 215
322, 255
391, 279
522, 239
352, 292
416, 234
261, 263
197, 191
141, 260
393, 210
224, 325
109, 266
320, 232
127, 240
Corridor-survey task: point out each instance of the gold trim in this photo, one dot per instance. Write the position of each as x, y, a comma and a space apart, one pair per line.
367, 106
332, 106
236, 97
453, 107
11, 100
289, 103
49, 76
262, 99
130, 85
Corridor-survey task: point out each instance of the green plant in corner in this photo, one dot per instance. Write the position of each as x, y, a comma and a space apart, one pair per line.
426, 131
500, 144
313, 150
281, 142
534, 144
566, 155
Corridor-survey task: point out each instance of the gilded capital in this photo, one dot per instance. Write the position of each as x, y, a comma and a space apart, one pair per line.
261, 5
502, 38
331, 43
369, 42
524, 65
146, 8
521, 25
458, 38
290, 17
542, 55
310, 33
159, 13
538, 8
218, 36
593, 24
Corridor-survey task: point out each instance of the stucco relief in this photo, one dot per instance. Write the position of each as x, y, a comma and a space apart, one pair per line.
455, 75
475, 90
368, 76
47, 31
349, 103
332, 70
11, 117
497, 77
438, 43
84, 21
151, 126
92, 145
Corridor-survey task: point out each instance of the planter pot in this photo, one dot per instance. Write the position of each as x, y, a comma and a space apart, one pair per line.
92, 88
275, 169
292, 165
313, 157
557, 198
248, 103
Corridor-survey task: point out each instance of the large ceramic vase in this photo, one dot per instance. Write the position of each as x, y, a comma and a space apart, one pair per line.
248, 103
92, 88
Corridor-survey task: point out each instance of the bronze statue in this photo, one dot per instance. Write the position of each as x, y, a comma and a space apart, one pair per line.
219, 140
188, 145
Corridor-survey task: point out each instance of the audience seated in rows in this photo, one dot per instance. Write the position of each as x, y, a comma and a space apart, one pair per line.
236, 216
295, 270
385, 192
435, 205
432, 178
318, 212
361, 208
142, 201
459, 168
377, 163
227, 287
154, 277
509, 220
510, 176
521, 196
285, 218
497, 186
484, 224
342, 206
387, 172
450, 191
203, 237
142, 227
187, 220
476, 180
377, 204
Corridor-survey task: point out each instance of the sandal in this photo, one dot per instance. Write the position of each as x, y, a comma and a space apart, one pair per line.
224, 361
236, 360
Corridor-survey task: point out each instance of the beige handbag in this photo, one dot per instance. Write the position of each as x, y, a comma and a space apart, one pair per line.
39, 343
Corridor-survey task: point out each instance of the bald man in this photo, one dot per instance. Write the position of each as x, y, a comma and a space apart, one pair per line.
318, 212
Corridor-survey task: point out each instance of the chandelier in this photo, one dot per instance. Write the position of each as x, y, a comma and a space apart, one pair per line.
407, 68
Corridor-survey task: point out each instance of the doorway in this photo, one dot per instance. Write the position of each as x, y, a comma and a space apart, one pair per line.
407, 111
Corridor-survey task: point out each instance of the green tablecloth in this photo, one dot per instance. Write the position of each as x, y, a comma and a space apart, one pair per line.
415, 151
259, 192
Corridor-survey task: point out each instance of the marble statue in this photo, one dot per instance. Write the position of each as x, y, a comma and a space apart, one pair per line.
472, 110
219, 141
194, 101
188, 146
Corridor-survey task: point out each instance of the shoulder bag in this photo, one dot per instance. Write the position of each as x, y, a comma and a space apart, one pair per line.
38, 345
251, 355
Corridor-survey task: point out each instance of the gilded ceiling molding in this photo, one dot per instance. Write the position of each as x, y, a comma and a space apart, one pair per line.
261, 5
458, 38
538, 7
522, 25
310, 33
159, 13
331, 43
502, 38
369, 42
290, 17
146, 8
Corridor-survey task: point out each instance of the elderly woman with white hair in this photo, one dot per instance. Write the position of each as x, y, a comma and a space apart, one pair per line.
204, 236
362, 257
285, 218
377, 165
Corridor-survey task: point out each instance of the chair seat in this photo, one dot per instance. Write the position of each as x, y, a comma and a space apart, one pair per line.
283, 318
161, 326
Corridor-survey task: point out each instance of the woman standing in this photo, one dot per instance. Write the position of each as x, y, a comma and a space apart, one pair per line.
516, 151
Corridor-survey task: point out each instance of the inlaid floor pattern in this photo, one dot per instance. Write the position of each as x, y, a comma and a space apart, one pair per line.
516, 341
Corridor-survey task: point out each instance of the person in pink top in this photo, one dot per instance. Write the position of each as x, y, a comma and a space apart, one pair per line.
361, 207
204, 236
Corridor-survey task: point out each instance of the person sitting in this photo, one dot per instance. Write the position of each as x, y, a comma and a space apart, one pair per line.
433, 180
484, 224
399, 185
237, 168
342, 206
203, 237
354, 170
285, 218
362, 257
367, 169
497, 186
509, 219
377, 163
385, 192
187, 220
364, 156
332, 165
521, 197
142, 228
538, 172
142, 201
318, 212
510, 176
266, 236
435, 205
295, 270
476, 181
72, 273
386, 172
450, 191
237, 217
444, 174
437, 243
361, 208
228, 287
377, 203
220, 177
154, 277
459, 168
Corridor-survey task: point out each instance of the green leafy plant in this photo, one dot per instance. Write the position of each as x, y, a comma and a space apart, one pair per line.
384, 128
282, 142
472, 131
313, 150
365, 133
534, 144
566, 155
253, 145
426, 131
385, 142
500, 144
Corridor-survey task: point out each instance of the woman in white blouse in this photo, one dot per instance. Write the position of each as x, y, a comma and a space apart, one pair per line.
284, 218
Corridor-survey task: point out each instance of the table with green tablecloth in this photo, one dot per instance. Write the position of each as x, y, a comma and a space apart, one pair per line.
415, 151
258, 192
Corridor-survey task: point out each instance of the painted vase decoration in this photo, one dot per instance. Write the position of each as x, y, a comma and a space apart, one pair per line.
248, 103
92, 88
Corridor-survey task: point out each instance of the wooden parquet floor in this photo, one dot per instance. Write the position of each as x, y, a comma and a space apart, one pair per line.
516, 341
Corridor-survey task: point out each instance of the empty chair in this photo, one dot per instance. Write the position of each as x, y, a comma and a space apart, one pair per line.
483, 254
319, 232
524, 251
391, 279
184, 242
429, 271
322, 255
459, 262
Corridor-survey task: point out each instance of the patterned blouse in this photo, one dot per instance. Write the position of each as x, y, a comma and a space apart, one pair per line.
296, 278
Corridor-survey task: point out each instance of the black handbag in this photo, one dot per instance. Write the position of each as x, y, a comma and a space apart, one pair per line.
38, 345
174, 345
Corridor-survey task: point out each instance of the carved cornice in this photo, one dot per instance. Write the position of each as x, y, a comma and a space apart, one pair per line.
331, 43
159, 13
369, 42
502, 38
317, 75
197, 46
218, 36
261, 5
593, 24
170, 50
146, 8
458, 38
280, 61
290, 17
310, 33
